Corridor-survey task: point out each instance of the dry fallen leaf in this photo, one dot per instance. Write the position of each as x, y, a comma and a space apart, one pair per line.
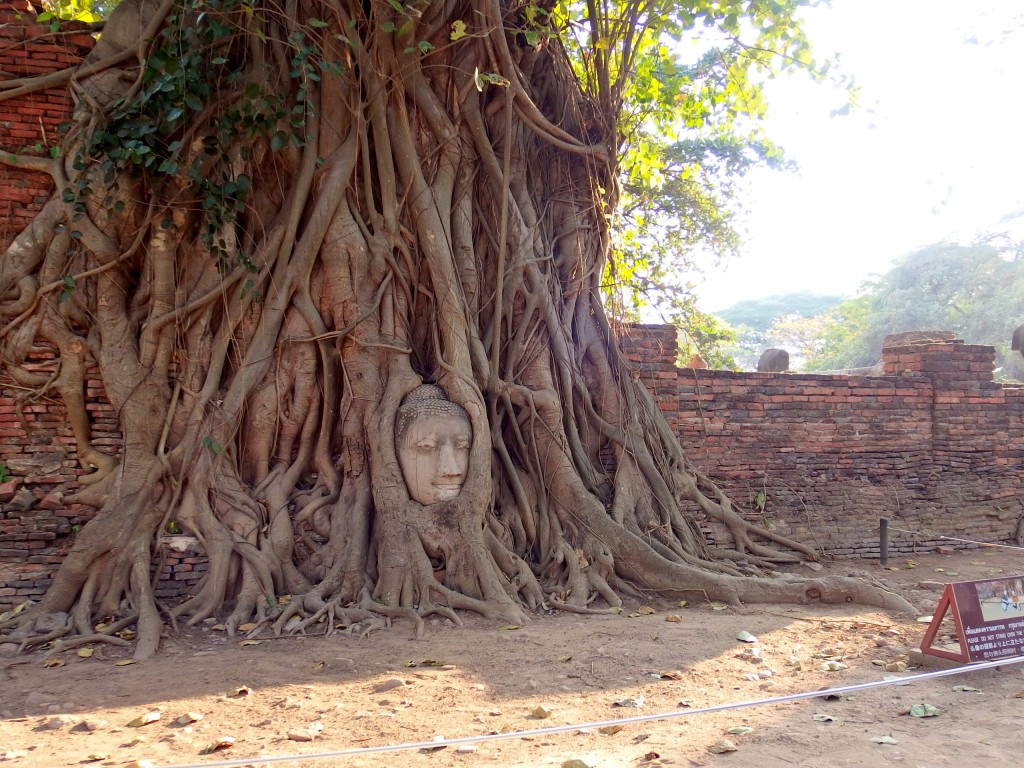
644, 610
189, 717
630, 701
239, 692
674, 618
150, 717
717, 606
246, 627
124, 662
608, 730
672, 674
95, 757
721, 746
53, 663
250, 642
541, 713
222, 742
509, 627
85, 653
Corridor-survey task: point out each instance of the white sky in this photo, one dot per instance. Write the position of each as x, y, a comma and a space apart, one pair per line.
935, 149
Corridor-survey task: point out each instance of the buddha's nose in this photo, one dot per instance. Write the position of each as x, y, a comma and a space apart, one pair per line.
449, 463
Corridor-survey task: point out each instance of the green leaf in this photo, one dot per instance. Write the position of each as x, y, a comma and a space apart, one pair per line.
458, 29
317, 23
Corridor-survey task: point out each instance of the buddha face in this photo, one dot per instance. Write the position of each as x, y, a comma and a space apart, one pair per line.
434, 455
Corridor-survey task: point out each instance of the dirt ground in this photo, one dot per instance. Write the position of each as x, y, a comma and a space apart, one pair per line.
349, 693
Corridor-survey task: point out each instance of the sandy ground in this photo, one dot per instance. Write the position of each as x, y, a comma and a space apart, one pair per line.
349, 693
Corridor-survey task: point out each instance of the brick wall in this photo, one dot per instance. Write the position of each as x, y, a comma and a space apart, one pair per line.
935, 445
35, 442
31, 123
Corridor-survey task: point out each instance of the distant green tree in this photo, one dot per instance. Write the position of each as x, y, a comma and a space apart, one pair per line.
974, 290
775, 321
845, 342
761, 313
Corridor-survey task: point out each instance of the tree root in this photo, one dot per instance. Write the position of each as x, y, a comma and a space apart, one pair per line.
258, 309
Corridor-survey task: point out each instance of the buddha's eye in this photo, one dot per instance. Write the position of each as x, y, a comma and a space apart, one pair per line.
426, 447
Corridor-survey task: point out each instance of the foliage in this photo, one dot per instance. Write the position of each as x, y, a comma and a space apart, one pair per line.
5, 474
77, 10
668, 231
680, 84
702, 335
972, 289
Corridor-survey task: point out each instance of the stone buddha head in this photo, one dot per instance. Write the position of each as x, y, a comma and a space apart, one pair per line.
432, 438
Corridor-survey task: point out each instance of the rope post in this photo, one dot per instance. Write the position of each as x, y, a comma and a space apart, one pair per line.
883, 540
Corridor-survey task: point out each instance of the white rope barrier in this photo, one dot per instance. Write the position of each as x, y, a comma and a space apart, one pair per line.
359, 751
953, 538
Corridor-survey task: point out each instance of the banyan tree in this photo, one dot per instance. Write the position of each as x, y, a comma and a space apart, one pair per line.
271, 223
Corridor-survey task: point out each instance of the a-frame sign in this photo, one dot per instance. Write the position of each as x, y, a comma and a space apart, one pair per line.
988, 616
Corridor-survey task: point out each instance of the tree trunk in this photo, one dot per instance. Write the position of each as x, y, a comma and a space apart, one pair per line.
278, 225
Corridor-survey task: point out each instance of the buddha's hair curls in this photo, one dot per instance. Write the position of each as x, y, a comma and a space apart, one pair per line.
426, 399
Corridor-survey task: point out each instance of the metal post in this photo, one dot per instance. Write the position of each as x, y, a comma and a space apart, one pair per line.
883, 540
